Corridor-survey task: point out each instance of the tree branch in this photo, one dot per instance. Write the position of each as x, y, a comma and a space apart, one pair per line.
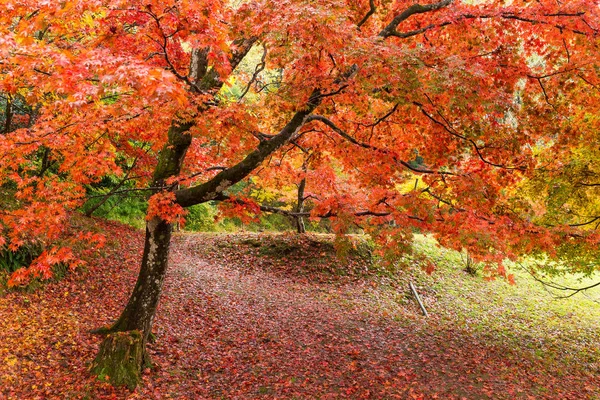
452, 132
404, 35
558, 286
343, 134
113, 191
367, 15
211, 81
594, 219
224, 179
257, 70
390, 29
295, 214
517, 17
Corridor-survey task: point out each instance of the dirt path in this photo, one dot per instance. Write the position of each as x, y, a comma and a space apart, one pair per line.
232, 334
231, 327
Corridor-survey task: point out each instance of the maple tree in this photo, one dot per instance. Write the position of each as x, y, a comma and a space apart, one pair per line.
295, 321
406, 116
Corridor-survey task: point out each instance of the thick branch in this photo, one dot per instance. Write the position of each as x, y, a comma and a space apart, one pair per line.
211, 81
224, 179
390, 30
343, 134
198, 65
368, 14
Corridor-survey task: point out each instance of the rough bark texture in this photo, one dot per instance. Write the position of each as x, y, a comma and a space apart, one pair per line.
119, 359
141, 307
140, 310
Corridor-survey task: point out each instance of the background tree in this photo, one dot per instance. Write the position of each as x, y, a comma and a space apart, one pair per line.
473, 89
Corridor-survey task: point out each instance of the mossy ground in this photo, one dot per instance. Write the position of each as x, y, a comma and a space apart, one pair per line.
119, 360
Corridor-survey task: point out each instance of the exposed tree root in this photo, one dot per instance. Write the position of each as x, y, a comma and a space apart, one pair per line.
120, 359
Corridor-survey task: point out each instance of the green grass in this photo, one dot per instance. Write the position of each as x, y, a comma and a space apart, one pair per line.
528, 314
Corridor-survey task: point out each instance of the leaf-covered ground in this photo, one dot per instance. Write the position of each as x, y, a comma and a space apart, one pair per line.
249, 316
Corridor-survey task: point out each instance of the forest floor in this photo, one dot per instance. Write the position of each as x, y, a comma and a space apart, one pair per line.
267, 316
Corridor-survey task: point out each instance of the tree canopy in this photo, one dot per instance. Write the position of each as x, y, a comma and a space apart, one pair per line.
397, 116
354, 91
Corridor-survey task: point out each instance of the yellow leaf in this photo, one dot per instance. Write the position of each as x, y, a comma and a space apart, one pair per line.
11, 361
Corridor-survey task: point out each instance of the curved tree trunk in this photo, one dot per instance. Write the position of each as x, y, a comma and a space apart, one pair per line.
117, 357
140, 310
123, 351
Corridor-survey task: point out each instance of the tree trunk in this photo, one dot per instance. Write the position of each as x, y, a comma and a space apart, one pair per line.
8, 114
140, 309
121, 354
300, 207
127, 350
137, 317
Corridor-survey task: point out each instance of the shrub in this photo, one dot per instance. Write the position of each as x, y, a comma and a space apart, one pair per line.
10, 260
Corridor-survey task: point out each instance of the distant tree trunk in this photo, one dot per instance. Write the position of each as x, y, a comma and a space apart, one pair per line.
45, 162
122, 353
300, 207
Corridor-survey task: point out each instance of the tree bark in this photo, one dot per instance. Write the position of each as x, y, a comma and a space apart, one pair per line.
126, 348
300, 207
210, 190
139, 312
141, 307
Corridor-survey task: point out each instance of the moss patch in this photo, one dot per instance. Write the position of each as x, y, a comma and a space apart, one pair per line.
120, 358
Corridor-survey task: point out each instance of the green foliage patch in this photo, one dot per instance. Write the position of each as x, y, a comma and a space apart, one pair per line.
528, 314
12, 260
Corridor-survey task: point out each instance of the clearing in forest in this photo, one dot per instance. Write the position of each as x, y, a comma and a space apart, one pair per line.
261, 316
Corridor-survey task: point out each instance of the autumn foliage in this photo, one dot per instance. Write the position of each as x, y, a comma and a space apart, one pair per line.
263, 322
393, 117
474, 91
